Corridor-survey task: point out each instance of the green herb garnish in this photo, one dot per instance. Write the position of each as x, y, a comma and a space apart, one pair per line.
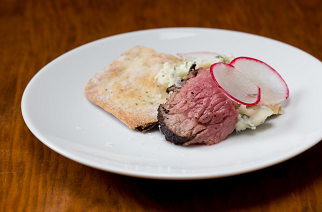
244, 115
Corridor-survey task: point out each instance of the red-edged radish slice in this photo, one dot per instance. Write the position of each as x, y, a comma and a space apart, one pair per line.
196, 55
235, 84
273, 87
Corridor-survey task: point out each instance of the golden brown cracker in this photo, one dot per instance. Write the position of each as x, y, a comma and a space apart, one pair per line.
127, 87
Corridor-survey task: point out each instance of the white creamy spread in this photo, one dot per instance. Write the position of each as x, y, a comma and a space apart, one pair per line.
169, 74
249, 116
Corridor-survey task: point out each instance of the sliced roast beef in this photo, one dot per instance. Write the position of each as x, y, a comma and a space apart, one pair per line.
197, 112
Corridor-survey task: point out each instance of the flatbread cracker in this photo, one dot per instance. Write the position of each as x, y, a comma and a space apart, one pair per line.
127, 88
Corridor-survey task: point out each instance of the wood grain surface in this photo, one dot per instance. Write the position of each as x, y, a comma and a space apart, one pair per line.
35, 178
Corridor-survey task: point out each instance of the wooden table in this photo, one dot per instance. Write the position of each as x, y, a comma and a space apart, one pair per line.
35, 178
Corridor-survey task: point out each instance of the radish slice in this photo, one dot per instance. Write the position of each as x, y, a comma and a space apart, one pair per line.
235, 84
196, 55
273, 87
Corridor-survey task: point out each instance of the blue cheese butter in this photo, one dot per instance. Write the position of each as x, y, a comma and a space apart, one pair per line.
250, 117
170, 74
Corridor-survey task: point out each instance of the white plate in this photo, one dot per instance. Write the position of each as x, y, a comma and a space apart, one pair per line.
57, 112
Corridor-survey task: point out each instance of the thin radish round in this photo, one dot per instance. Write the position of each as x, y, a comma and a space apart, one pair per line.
235, 84
273, 87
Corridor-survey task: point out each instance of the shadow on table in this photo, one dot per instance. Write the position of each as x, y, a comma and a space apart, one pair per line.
238, 192
89, 189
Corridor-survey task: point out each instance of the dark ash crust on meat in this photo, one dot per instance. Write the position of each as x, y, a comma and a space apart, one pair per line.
169, 135
192, 68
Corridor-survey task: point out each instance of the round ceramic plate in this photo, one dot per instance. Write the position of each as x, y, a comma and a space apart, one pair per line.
58, 113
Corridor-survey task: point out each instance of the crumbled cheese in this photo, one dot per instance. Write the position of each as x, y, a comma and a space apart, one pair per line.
178, 82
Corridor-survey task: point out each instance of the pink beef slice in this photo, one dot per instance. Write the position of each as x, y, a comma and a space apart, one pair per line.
197, 112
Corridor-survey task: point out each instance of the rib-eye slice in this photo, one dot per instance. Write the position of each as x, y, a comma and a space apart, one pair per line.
197, 112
